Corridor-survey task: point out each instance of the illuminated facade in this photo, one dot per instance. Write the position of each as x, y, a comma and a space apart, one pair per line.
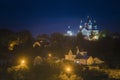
69, 32
82, 58
70, 56
89, 30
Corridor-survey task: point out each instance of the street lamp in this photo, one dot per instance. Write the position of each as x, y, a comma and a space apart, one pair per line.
22, 62
49, 55
68, 69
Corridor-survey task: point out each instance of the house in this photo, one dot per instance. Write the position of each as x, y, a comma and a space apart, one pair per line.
82, 58
79, 57
70, 56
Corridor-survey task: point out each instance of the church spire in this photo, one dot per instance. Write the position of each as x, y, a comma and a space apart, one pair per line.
88, 19
78, 51
81, 25
69, 32
89, 23
95, 25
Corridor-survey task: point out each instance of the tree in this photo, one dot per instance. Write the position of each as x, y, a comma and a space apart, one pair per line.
25, 36
57, 41
37, 60
6, 36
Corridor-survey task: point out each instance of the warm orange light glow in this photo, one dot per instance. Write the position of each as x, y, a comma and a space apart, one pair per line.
49, 55
68, 69
22, 61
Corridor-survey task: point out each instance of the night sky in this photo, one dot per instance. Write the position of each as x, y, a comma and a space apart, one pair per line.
47, 16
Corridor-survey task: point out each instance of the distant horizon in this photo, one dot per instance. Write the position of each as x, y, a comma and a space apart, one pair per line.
58, 26
47, 16
59, 31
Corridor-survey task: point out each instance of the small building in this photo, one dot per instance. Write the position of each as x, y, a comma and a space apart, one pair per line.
82, 58
98, 61
36, 44
90, 60
70, 56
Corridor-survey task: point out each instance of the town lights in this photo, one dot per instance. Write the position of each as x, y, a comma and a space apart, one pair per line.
50, 55
22, 62
68, 69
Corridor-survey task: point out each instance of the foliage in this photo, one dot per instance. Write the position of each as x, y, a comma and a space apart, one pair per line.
107, 48
64, 76
18, 72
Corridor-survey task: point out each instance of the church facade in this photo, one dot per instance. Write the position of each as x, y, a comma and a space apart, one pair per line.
88, 28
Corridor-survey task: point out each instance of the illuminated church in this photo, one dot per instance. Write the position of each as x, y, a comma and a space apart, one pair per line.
89, 29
